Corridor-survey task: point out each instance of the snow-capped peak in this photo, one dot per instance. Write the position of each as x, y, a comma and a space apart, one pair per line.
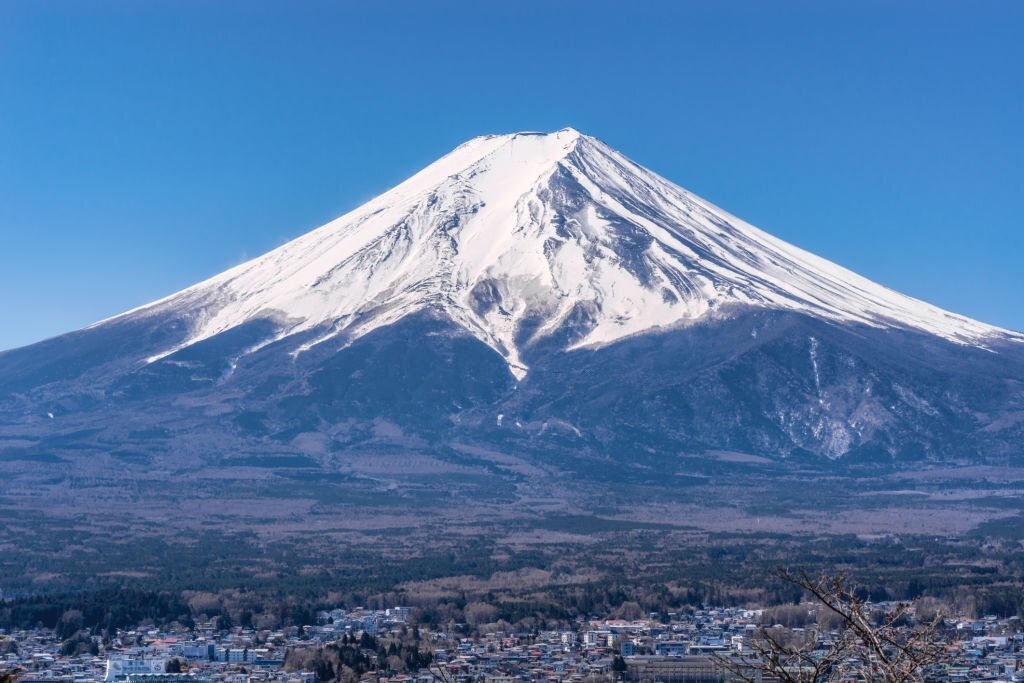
555, 229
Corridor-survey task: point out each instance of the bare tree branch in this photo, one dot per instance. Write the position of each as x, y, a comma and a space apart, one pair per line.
891, 652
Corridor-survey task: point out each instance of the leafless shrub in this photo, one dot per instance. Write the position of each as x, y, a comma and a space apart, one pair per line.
878, 646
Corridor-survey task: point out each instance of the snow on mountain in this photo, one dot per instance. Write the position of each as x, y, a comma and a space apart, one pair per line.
517, 236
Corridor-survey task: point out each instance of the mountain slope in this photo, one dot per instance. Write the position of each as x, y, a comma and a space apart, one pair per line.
530, 231
528, 294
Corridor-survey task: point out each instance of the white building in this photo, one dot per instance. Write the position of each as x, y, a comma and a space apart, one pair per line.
119, 667
397, 613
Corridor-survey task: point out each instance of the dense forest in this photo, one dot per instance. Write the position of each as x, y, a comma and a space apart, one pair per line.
467, 609
624, 569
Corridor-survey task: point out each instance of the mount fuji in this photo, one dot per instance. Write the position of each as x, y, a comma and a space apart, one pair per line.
533, 231
531, 303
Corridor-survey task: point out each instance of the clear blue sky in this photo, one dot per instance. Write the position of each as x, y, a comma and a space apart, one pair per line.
147, 145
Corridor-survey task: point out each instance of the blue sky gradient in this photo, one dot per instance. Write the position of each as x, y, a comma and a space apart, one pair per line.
147, 145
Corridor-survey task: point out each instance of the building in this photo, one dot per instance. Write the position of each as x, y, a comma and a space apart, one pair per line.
120, 667
163, 678
681, 670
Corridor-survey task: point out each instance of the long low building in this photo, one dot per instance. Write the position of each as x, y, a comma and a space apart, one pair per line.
654, 669
163, 678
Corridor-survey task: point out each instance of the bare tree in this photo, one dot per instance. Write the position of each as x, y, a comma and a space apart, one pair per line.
885, 649
437, 670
